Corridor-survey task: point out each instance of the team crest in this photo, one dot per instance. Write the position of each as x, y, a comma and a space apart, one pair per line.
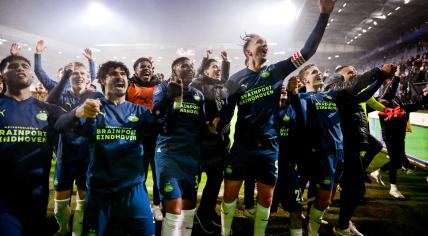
42, 115
228, 169
265, 74
197, 97
168, 188
286, 118
133, 118
326, 182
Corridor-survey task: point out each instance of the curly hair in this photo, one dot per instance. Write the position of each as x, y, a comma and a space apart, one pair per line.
107, 67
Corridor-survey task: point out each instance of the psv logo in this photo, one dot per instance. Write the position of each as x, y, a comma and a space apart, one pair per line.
42, 115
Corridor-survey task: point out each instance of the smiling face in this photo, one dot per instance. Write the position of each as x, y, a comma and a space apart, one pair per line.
184, 71
116, 82
312, 78
213, 71
256, 50
144, 71
79, 78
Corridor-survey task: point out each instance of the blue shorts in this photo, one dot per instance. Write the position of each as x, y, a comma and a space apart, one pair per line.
177, 176
71, 165
126, 212
288, 187
323, 173
248, 161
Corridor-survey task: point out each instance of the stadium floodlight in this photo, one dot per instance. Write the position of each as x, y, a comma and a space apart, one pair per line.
329, 58
390, 13
375, 22
283, 12
364, 30
397, 8
406, 1
337, 56
344, 5
96, 14
339, 11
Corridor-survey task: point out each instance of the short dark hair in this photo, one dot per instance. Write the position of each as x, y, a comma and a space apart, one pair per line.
105, 68
304, 69
207, 63
9, 59
339, 68
178, 61
141, 59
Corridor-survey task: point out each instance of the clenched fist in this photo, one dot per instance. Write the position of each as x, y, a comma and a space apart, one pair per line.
89, 109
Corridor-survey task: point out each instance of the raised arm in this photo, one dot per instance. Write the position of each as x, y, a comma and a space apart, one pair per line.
225, 67
43, 77
207, 56
92, 71
311, 45
56, 93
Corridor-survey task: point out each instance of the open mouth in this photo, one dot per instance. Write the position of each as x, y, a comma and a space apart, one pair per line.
120, 85
21, 74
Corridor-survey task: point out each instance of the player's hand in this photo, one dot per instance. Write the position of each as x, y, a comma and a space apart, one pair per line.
69, 66
209, 52
425, 91
15, 49
89, 109
326, 6
292, 85
40, 46
174, 89
223, 55
389, 69
88, 54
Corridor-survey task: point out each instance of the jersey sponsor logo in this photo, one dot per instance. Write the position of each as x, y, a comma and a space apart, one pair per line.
42, 115
21, 134
256, 93
168, 188
133, 118
2, 111
326, 106
115, 133
189, 108
265, 74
